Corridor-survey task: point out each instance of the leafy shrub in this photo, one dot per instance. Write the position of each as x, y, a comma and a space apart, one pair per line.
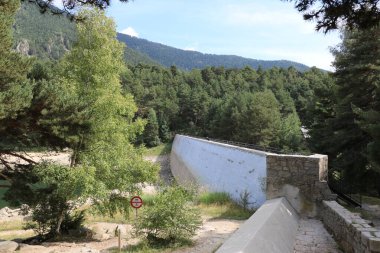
170, 219
47, 212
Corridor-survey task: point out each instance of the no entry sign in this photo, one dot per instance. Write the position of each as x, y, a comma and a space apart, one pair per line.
136, 202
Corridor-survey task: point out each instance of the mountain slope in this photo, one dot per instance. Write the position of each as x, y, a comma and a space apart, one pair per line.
49, 36
188, 60
43, 35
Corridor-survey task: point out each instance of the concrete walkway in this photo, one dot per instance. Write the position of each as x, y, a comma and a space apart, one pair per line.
313, 237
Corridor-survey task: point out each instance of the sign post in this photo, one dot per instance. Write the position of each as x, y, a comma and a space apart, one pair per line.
136, 202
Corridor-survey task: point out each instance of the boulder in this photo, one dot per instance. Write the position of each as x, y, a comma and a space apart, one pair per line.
8, 246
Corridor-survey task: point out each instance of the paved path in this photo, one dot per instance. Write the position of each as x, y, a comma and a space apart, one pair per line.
312, 237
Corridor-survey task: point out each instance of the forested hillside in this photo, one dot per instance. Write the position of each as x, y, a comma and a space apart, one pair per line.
49, 36
265, 107
188, 60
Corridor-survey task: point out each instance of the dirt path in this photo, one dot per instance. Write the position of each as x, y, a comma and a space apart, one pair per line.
164, 161
211, 235
208, 238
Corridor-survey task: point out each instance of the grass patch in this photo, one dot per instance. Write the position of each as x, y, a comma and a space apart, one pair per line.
216, 198
148, 199
12, 236
227, 211
145, 247
92, 217
220, 205
11, 225
370, 200
162, 149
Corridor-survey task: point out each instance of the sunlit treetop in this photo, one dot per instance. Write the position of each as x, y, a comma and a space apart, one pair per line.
333, 14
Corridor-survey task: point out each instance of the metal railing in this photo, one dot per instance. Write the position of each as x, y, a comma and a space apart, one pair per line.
250, 146
345, 190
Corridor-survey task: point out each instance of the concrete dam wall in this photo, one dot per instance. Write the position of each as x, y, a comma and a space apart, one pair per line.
220, 167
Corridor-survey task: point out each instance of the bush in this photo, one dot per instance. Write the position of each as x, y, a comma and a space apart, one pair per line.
46, 213
170, 219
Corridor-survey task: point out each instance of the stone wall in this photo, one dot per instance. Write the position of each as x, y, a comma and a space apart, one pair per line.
352, 233
301, 179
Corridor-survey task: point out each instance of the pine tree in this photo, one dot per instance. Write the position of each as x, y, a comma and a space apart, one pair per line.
15, 90
86, 110
151, 132
356, 76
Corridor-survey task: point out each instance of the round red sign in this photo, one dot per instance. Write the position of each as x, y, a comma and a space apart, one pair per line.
136, 202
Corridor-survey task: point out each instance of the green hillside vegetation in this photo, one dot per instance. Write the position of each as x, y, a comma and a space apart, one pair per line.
44, 35
264, 107
49, 36
188, 60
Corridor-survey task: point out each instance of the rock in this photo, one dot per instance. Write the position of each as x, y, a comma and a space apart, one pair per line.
99, 233
103, 231
23, 47
25, 248
124, 230
8, 246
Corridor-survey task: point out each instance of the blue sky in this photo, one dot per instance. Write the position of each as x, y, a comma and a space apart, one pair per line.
268, 30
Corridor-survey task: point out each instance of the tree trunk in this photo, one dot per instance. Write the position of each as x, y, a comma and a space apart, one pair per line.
59, 223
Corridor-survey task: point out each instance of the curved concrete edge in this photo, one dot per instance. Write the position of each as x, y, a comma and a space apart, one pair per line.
217, 167
271, 229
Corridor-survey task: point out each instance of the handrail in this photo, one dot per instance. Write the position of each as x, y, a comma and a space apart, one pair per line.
250, 146
344, 190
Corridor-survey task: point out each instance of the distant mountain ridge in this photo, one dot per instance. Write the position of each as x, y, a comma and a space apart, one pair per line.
50, 36
188, 60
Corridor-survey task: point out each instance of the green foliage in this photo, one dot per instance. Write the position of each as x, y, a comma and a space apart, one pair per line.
346, 119
219, 198
220, 205
15, 89
219, 103
44, 35
290, 133
49, 36
82, 106
332, 15
171, 218
162, 149
151, 131
92, 70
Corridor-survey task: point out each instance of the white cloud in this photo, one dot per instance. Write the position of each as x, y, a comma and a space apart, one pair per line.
130, 31
321, 60
250, 15
190, 49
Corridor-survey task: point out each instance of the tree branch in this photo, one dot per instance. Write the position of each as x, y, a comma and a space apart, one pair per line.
29, 160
